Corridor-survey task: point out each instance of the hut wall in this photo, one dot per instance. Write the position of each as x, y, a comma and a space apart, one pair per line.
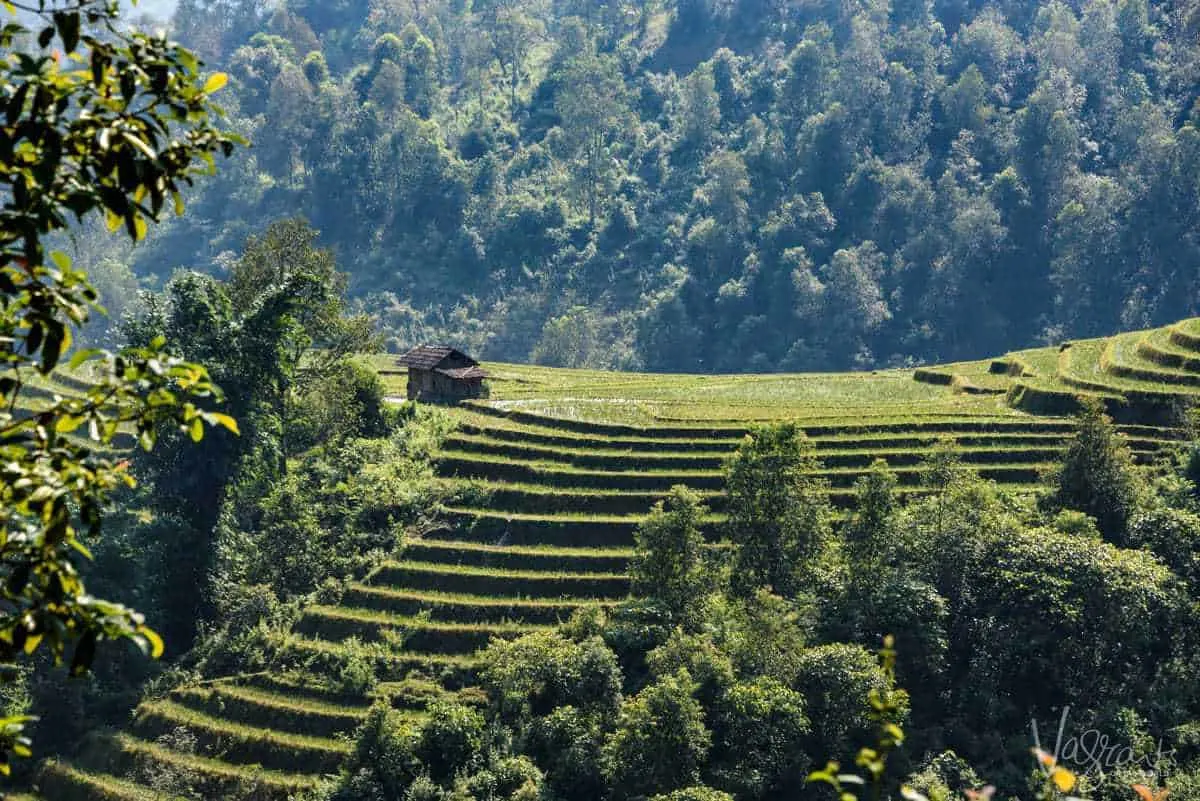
430, 386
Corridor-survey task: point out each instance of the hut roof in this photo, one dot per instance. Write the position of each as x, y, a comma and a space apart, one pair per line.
443, 359
464, 373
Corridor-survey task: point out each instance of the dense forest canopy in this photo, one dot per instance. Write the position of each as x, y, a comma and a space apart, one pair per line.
718, 185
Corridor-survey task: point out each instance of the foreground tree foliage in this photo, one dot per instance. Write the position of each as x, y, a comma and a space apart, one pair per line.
97, 121
670, 564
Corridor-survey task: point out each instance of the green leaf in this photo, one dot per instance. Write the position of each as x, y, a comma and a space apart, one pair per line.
215, 82
153, 640
196, 430
58, 342
61, 260
83, 550
67, 423
146, 151
225, 421
82, 356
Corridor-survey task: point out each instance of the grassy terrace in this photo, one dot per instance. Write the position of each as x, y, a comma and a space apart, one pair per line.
549, 480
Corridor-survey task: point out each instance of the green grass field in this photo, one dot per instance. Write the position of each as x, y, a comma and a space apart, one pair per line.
548, 479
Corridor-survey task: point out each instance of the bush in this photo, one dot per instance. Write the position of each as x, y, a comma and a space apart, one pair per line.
252, 619
537, 673
669, 563
698, 793
779, 517
835, 681
709, 667
384, 763
765, 635
1098, 475
944, 776
356, 676
760, 732
634, 629
567, 744
509, 778
424, 789
347, 404
1173, 535
450, 740
660, 742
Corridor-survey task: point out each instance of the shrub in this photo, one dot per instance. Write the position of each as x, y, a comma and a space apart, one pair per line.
760, 730
660, 741
869, 535
1174, 536
1098, 475
944, 776
515, 773
508, 778
384, 759
1083, 606
537, 673
698, 793
765, 635
709, 667
252, 618
567, 744
424, 789
779, 517
835, 681
669, 563
634, 629
450, 740
356, 676
347, 404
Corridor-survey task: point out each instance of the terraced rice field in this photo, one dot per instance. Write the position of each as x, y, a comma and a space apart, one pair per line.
1141, 376
551, 477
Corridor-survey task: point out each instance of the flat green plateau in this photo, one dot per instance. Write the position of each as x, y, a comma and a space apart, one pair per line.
649, 399
545, 483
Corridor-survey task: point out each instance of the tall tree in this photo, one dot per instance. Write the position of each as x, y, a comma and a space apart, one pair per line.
513, 28
279, 323
779, 515
593, 108
1098, 475
668, 565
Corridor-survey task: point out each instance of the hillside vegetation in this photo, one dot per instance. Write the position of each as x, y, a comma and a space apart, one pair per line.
546, 485
716, 185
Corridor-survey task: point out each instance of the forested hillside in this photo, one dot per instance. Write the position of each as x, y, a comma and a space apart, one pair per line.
718, 185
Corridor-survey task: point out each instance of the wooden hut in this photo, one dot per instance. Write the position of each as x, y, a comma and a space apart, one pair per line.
442, 374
